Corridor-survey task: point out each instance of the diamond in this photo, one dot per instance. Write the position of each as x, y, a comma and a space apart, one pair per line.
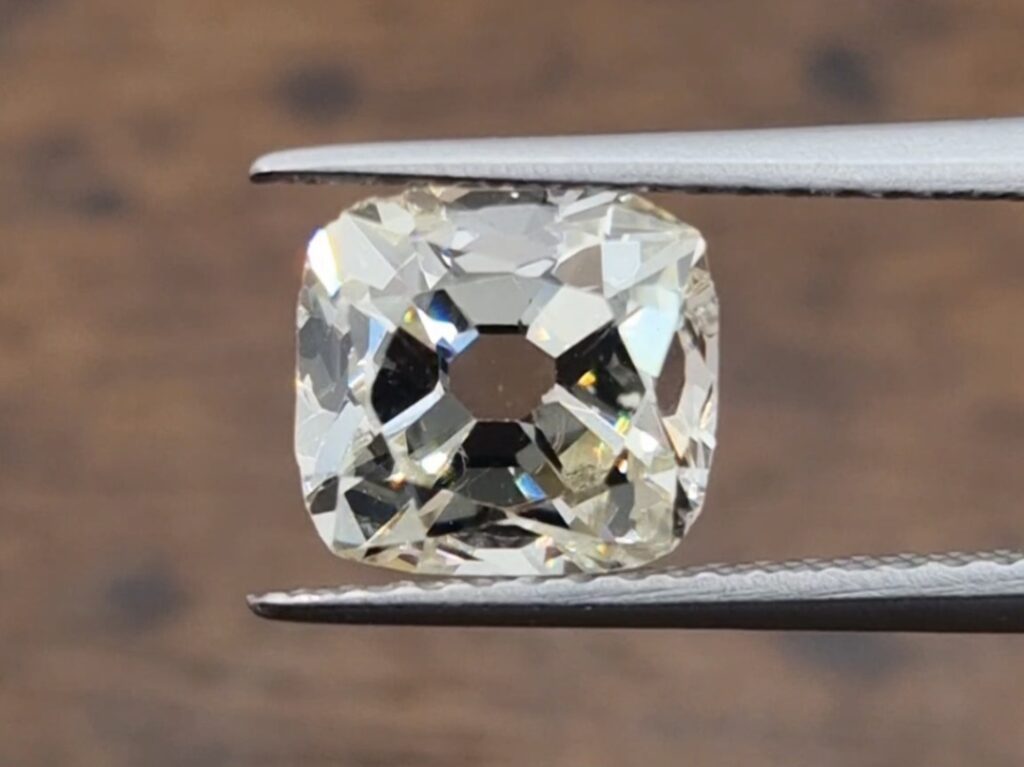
506, 381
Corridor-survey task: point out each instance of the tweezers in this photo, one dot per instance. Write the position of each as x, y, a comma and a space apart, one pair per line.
956, 592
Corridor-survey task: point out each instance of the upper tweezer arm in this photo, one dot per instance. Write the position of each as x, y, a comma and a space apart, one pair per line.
967, 159
938, 593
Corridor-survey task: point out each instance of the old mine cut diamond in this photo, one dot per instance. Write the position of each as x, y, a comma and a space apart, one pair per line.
505, 381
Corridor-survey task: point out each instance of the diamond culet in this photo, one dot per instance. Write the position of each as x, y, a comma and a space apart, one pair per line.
505, 381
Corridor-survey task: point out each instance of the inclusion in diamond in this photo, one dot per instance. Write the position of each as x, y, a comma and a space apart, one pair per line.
506, 381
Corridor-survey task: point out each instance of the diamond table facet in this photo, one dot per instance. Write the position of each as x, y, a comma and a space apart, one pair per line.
506, 381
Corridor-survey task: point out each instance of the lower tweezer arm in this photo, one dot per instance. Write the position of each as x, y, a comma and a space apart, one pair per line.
939, 593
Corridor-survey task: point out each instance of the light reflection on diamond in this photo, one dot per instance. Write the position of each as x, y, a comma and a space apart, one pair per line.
505, 381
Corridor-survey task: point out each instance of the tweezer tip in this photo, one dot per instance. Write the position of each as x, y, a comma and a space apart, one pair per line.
286, 165
271, 606
261, 169
257, 603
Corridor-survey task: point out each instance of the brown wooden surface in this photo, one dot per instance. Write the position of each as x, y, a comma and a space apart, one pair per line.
872, 384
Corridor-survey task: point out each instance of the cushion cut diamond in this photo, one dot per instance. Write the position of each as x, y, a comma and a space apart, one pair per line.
506, 381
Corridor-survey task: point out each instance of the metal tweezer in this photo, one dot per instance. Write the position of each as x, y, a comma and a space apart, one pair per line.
972, 159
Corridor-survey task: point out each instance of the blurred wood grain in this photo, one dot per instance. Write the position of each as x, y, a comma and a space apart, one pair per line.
872, 383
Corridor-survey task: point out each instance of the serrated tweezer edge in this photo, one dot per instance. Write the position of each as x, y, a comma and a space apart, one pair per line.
943, 592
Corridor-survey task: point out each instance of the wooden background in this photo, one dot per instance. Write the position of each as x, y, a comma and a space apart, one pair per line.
872, 383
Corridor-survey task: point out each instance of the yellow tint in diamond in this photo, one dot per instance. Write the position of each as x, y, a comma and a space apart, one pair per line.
499, 381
